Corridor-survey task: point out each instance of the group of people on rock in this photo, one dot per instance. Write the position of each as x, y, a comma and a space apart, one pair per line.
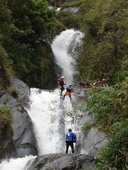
100, 83
70, 137
82, 85
96, 84
85, 84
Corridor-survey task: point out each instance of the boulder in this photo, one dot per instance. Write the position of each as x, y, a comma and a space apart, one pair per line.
93, 141
62, 162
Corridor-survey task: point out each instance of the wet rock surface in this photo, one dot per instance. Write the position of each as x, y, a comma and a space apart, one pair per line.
93, 139
62, 162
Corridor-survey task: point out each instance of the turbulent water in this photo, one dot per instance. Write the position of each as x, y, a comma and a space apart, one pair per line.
47, 109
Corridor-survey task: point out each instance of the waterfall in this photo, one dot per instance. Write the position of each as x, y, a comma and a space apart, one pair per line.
47, 109
45, 112
67, 41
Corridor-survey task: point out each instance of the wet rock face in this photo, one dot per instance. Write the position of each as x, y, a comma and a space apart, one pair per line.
22, 91
23, 140
74, 10
93, 141
62, 162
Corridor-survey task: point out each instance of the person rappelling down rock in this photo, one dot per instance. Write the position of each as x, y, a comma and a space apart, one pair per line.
68, 92
61, 84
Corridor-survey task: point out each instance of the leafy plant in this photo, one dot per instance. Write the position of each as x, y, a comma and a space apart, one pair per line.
109, 108
108, 105
5, 69
74, 114
116, 152
5, 121
30, 29
104, 44
69, 19
86, 127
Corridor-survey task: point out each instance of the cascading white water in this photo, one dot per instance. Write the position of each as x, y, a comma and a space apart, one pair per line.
60, 48
47, 109
16, 164
45, 112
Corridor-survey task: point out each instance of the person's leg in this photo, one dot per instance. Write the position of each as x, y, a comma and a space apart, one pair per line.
67, 146
72, 147
61, 90
70, 96
64, 96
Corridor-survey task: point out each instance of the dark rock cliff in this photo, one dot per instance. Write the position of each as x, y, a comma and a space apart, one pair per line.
22, 142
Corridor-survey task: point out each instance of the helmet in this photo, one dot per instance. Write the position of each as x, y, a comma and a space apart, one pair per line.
62, 77
70, 84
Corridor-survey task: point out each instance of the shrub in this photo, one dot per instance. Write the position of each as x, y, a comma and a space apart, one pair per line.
86, 127
5, 121
116, 152
14, 93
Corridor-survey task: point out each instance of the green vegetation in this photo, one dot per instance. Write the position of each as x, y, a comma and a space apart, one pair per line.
116, 152
108, 107
69, 19
104, 55
26, 28
105, 24
5, 69
86, 127
71, 4
5, 122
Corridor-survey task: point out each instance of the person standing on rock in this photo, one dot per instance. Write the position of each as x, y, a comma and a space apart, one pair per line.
70, 139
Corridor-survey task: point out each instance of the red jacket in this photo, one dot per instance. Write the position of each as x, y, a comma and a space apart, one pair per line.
61, 82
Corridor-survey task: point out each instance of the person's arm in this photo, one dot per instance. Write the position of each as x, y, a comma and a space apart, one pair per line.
74, 137
66, 138
72, 90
